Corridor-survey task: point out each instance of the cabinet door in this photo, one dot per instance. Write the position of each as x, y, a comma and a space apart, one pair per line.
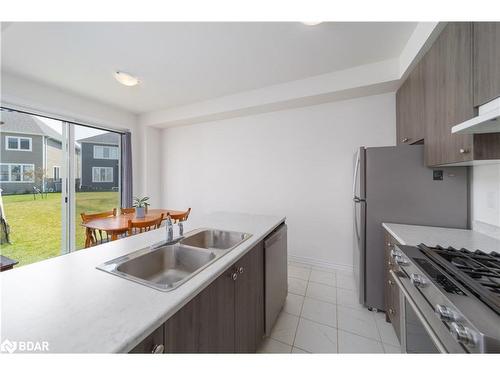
447, 70
395, 309
182, 330
486, 61
153, 344
249, 301
388, 245
410, 107
216, 315
206, 323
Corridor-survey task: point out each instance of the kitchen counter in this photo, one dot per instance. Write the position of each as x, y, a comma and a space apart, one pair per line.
77, 308
432, 236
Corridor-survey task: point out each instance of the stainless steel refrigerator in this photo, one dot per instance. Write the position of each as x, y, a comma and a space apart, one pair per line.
392, 184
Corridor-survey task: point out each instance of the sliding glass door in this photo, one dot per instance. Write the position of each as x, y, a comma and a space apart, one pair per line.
31, 160
51, 172
97, 177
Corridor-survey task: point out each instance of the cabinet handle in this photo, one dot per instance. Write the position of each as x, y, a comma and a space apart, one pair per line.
464, 151
391, 282
241, 270
234, 276
158, 349
405, 140
391, 311
389, 264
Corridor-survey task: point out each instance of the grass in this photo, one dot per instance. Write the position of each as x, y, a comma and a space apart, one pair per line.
35, 225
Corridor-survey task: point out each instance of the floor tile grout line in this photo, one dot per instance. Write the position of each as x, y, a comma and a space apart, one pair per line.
315, 321
298, 323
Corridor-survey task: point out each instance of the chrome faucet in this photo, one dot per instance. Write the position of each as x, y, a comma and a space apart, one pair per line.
170, 229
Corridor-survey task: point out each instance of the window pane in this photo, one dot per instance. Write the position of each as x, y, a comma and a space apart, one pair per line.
28, 173
97, 152
105, 152
13, 143
103, 175
15, 172
109, 174
25, 144
4, 172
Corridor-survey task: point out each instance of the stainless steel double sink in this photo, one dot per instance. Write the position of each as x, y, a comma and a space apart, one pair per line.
167, 266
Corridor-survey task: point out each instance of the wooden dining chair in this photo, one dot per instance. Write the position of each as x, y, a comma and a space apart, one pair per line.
183, 217
91, 238
135, 227
125, 211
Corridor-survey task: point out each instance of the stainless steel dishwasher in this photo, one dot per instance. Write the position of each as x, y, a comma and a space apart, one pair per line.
276, 274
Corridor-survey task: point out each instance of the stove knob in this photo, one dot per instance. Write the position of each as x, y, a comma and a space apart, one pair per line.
462, 334
418, 280
400, 260
395, 253
445, 313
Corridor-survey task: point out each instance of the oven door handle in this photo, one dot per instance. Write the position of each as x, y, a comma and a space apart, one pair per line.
419, 314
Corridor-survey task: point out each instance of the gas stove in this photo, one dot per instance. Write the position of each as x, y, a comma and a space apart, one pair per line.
454, 295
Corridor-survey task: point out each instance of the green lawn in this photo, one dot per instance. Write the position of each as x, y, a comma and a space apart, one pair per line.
35, 225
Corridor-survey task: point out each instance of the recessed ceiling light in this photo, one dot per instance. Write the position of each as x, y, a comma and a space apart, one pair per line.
312, 23
126, 79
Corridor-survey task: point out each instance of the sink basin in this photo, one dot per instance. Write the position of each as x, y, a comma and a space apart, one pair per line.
215, 239
165, 267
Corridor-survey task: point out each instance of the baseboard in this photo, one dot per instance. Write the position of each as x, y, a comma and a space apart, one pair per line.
320, 263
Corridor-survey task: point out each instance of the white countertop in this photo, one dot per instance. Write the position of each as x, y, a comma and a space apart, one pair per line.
432, 236
78, 308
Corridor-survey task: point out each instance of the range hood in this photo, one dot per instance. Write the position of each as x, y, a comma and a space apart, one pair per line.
487, 121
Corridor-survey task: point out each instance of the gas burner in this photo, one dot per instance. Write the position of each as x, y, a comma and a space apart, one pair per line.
476, 270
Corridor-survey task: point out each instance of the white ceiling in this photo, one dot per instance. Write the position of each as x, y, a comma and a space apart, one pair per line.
183, 63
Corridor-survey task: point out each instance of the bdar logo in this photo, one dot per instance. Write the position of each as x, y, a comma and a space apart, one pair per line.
8, 346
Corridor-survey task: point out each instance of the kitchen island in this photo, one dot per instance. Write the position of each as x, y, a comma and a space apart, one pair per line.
74, 307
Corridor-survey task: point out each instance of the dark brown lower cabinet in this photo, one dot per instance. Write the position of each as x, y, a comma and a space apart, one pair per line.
154, 343
206, 323
227, 316
249, 301
395, 310
391, 291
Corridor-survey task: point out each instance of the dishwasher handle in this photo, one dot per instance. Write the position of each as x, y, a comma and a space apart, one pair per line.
276, 236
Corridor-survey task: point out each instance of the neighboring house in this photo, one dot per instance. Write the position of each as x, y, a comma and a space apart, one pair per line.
30, 154
100, 162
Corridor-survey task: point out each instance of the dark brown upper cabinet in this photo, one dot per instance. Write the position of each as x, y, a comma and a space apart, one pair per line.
410, 108
486, 61
447, 69
444, 89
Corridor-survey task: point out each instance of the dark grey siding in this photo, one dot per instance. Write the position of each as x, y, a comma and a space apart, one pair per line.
88, 162
35, 156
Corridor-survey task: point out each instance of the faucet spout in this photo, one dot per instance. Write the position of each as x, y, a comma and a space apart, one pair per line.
170, 229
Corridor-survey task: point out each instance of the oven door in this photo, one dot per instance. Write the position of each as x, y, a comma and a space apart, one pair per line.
417, 335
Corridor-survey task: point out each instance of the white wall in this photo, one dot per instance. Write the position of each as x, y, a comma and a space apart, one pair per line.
486, 199
296, 163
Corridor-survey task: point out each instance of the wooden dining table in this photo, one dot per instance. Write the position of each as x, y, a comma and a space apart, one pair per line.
116, 225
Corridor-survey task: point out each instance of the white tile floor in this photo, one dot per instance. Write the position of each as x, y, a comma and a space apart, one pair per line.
322, 315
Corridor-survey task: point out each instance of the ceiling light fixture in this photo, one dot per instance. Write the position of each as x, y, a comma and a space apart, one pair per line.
126, 79
312, 23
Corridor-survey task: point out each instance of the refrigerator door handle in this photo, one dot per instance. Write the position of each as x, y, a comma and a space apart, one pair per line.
355, 178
